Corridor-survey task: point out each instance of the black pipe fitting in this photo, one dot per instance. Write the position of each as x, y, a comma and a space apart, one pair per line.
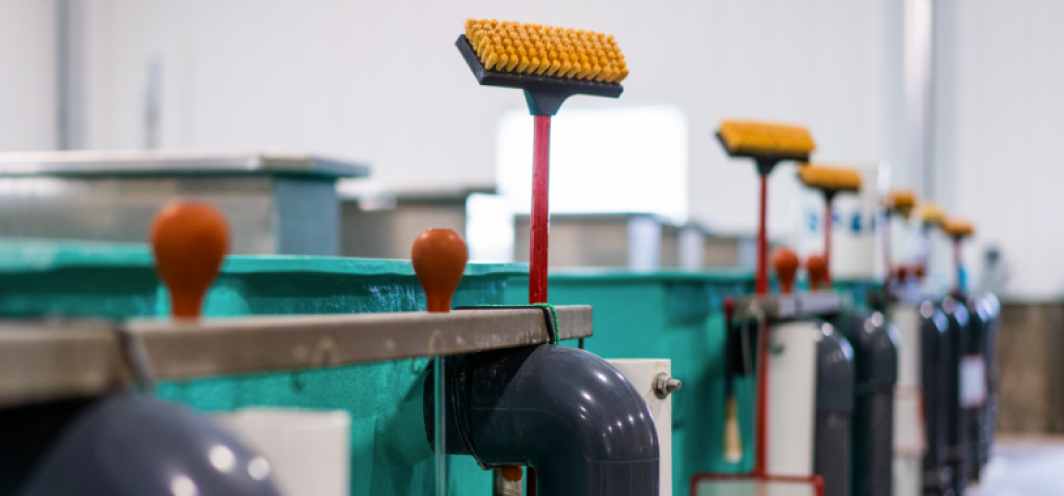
876, 363
985, 316
934, 356
563, 411
834, 407
129, 446
956, 416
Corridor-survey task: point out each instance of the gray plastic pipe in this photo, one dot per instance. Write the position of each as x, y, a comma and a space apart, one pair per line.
563, 411
130, 446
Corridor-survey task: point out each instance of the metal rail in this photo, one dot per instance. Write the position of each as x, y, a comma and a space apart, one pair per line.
776, 307
44, 360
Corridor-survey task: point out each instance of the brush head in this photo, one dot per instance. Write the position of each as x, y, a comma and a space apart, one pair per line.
830, 179
535, 49
766, 141
549, 63
901, 201
930, 214
957, 228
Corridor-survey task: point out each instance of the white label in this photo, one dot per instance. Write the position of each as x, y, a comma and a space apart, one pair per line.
973, 381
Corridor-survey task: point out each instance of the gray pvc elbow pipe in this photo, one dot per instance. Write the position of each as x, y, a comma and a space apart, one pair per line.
564, 411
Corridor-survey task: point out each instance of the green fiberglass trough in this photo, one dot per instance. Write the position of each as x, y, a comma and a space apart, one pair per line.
677, 316
117, 281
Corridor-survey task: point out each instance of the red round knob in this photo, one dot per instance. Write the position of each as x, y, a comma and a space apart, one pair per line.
903, 273
512, 474
818, 271
189, 240
439, 257
919, 271
786, 264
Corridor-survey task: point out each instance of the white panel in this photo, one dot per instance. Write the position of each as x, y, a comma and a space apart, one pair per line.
309, 451
489, 228
908, 404
907, 321
622, 158
641, 374
791, 398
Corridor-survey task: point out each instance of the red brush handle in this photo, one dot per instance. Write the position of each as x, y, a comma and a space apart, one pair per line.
540, 219
761, 287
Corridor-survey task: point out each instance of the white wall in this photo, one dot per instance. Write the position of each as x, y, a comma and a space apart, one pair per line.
382, 82
1000, 122
27, 75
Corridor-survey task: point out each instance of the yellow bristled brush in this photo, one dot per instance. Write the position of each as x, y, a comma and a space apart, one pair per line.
550, 64
900, 201
768, 143
830, 180
930, 214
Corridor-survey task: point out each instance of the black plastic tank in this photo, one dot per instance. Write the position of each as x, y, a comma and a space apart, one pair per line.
984, 312
874, 344
934, 343
834, 408
956, 417
131, 446
562, 411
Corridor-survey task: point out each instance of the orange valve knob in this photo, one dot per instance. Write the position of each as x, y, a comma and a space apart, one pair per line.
512, 474
189, 240
903, 273
786, 264
439, 257
818, 271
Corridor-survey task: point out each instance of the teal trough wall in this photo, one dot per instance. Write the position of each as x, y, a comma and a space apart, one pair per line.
659, 315
390, 453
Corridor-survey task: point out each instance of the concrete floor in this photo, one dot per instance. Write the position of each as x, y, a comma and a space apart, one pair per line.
1024, 467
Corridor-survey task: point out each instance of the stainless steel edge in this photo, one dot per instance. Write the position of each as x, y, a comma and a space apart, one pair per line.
40, 362
777, 307
260, 344
138, 162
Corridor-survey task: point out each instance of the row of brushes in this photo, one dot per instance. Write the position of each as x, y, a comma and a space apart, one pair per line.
545, 50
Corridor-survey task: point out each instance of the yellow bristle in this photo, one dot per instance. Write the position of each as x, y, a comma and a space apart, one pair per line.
830, 178
756, 138
514, 60
546, 50
931, 214
595, 71
957, 228
901, 201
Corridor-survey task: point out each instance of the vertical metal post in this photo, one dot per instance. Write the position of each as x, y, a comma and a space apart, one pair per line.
440, 441
67, 72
